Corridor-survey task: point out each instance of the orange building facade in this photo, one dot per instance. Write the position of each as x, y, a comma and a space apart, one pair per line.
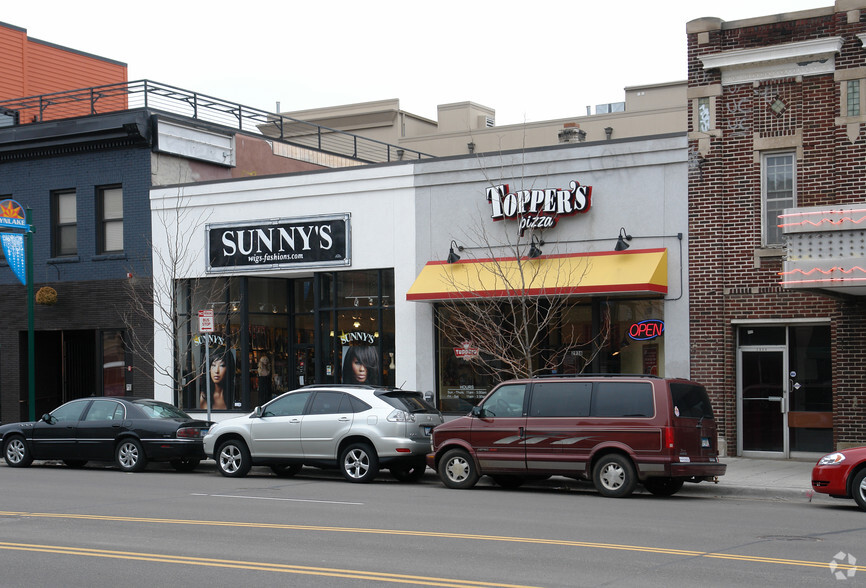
30, 67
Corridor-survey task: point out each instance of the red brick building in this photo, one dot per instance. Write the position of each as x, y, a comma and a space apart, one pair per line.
777, 227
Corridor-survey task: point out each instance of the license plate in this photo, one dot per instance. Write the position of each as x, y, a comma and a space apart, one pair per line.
705, 441
428, 430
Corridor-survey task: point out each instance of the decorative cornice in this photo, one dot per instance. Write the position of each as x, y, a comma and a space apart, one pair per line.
804, 58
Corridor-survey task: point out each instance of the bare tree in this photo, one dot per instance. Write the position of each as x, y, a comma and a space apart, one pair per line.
163, 300
533, 301
512, 330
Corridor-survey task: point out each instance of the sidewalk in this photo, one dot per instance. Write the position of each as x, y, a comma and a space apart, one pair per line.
763, 478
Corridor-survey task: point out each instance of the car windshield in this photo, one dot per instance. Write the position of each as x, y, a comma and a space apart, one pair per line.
160, 410
409, 401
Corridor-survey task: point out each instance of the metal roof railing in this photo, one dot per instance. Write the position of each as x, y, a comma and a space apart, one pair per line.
170, 99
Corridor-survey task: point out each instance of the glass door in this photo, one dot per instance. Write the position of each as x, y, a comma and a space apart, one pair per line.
762, 392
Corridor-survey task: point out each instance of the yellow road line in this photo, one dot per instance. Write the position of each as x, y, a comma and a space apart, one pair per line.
256, 566
427, 534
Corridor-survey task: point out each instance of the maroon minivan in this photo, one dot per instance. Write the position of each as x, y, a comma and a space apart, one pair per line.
616, 430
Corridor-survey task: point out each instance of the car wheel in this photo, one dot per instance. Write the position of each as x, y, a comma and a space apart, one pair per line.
16, 452
509, 481
412, 472
359, 463
457, 469
286, 470
613, 476
129, 455
663, 486
185, 465
858, 489
75, 464
233, 459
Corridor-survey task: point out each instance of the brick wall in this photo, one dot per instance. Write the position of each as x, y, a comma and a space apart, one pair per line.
728, 282
90, 287
29, 67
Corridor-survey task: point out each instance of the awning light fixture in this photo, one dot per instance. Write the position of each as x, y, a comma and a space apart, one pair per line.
621, 244
452, 256
535, 247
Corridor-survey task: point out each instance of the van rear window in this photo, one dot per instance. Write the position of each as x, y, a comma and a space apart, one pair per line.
691, 400
622, 399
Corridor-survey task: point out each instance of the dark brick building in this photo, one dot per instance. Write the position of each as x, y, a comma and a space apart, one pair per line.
777, 212
86, 181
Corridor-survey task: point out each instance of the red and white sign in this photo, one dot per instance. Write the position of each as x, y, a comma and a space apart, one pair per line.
205, 321
465, 351
538, 209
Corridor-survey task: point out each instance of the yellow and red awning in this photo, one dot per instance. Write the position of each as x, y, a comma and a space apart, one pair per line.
610, 272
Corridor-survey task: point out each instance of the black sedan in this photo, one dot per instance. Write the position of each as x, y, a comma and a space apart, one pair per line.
128, 431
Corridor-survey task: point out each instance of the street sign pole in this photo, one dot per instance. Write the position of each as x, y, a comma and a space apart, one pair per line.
206, 325
207, 374
31, 342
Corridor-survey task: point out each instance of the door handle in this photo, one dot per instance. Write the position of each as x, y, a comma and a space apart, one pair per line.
344, 419
521, 432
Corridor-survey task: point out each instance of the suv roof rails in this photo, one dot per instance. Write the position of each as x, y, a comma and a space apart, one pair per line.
594, 375
358, 386
365, 386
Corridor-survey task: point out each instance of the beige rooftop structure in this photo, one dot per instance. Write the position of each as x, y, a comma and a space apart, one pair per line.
466, 127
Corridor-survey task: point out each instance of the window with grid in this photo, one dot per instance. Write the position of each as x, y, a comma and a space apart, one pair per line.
779, 193
64, 224
110, 210
853, 94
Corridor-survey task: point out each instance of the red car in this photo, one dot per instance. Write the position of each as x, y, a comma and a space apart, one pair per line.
842, 475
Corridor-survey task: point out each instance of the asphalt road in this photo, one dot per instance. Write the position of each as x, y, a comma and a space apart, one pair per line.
101, 527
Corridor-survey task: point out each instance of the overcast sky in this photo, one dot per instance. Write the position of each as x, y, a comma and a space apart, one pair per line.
529, 60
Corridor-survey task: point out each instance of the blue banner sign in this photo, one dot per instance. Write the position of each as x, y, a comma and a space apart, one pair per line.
13, 249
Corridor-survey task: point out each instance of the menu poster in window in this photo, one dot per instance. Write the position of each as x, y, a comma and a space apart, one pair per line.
651, 359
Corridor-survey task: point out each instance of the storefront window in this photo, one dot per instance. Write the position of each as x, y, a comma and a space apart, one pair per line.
304, 299
618, 336
359, 327
268, 354
210, 361
113, 364
636, 341
291, 337
463, 379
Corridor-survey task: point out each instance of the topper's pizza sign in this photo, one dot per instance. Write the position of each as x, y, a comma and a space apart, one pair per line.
538, 209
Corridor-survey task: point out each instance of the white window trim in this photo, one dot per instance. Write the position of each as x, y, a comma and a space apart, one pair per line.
764, 227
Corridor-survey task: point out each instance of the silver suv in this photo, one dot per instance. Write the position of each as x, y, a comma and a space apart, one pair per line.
357, 429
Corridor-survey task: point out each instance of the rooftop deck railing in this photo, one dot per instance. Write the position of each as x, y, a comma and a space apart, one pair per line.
162, 97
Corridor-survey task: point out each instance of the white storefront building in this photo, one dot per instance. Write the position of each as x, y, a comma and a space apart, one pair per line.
306, 273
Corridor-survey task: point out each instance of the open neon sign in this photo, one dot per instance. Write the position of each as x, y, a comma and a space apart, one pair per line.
646, 330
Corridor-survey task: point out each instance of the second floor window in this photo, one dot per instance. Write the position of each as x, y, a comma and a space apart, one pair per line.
110, 210
779, 193
853, 98
65, 224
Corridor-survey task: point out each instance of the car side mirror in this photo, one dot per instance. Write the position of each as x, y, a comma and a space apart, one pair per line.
257, 412
47, 418
478, 412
